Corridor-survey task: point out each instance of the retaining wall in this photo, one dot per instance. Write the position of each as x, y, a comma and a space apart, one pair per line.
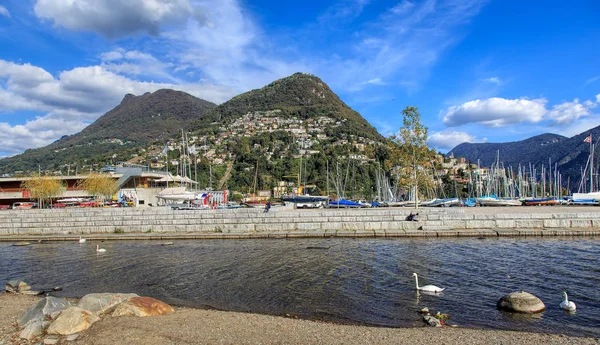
254, 223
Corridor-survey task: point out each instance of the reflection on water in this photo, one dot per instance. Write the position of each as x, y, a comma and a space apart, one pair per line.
352, 281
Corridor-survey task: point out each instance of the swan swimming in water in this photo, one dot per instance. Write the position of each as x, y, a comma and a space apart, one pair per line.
100, 250
81, 240
427, 288
566, 304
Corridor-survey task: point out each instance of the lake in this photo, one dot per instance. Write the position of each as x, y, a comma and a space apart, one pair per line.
351, 281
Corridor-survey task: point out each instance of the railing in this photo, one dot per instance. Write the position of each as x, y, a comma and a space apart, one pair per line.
20, 190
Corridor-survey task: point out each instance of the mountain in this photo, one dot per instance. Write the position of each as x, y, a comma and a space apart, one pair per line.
136, 122
271, 132
520, 151
571, 154
300, 95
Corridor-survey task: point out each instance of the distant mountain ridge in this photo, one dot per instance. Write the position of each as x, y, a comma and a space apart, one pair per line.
571, 154
135, 122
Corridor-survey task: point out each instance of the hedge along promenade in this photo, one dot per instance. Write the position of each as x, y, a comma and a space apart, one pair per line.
162, 223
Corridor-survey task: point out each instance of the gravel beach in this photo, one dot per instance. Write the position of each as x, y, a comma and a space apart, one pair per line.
198, 326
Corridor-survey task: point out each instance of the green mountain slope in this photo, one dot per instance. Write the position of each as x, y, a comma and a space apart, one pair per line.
136, 122
299, 95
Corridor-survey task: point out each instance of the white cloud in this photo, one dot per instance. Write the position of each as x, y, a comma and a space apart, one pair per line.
4, 11
568, 112
496, 112
115, 19
402, 44
72, 99
493, 80
591, 80
344, 9
375, 81
577, 127
35, 133
598, 98
448, 139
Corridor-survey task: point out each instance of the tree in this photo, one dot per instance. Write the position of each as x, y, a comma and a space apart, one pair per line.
410, 154
98, 185
43, 188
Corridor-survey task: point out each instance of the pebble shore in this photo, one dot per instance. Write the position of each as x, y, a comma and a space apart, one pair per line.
198, 326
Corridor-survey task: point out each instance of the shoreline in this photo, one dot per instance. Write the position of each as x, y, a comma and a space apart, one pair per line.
206, 326
482, 234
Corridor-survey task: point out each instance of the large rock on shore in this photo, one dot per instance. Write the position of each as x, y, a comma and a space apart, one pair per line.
46, 307
103, 303
521, 302
72, 320
142, 306
33, 329
17, 286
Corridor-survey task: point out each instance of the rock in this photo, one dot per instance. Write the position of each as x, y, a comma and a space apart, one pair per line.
72, 337
72, 320
45, 307
424, 310
142, 306
521, 302
33, 329
103, 303
17, 286
432, 321
50, 340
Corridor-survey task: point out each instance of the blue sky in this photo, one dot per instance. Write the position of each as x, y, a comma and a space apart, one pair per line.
479, 71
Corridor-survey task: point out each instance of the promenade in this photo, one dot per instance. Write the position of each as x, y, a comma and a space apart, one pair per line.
164, 223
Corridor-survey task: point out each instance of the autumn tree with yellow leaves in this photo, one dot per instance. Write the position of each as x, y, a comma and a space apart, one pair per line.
100, 186
43, 188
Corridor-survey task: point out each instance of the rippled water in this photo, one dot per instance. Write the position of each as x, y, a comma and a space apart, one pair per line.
365, 281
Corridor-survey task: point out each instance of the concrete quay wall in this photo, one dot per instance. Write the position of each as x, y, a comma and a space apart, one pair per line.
149, 223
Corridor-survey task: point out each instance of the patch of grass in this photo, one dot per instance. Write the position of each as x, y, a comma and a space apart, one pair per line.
119, 231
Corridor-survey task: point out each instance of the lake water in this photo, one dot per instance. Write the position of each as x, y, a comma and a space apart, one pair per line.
355, 281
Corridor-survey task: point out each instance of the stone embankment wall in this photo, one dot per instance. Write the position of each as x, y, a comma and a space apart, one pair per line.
254, 223
161, 223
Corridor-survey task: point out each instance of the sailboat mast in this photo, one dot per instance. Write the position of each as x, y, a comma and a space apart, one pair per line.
591, 164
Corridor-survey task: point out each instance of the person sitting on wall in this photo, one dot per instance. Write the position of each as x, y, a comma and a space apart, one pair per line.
412, 217
268, 206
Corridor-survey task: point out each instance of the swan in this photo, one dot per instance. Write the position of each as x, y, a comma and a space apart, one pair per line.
566, 304
100, 250
81, 240
427, 288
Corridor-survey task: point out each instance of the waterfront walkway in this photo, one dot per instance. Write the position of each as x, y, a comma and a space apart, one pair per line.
164, 224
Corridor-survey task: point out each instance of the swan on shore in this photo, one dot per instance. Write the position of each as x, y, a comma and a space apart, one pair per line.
100, 250
81, 240
427, 288
566, 304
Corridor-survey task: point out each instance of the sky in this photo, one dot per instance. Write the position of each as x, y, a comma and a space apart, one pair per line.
478, 70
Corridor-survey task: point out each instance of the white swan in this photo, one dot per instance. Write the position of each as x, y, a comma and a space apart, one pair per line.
427, 288
100, 250
81, 240
566, 304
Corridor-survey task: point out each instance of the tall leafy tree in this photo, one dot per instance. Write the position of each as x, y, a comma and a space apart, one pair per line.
410, 155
